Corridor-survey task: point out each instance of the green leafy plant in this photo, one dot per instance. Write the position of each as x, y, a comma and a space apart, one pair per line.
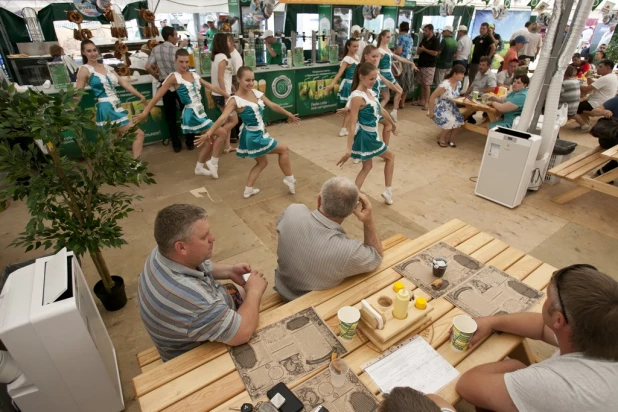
73, 203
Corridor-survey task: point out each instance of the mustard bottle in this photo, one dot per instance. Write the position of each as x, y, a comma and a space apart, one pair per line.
402, 299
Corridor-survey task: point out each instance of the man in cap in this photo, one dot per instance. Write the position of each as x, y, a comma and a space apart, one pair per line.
448, 48
496, 36
210, 33
464, 45
357, 34
517, 44
273, 47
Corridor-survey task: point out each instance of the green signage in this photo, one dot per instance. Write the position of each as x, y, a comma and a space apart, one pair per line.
325, 14
390, 22
59, 74
310, 97
409, 3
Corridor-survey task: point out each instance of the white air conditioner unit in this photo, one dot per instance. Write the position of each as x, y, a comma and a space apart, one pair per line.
52, 329
507, 165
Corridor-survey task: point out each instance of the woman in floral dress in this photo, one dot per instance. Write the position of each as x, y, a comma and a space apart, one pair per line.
443, 111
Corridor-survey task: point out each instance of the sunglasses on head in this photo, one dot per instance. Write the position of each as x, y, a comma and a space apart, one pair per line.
559, 274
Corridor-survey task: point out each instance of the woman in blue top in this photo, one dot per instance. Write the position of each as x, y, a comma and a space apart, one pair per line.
103, 81
386, 61
511, 105
347, 66
193, 119
255, 142
365, 110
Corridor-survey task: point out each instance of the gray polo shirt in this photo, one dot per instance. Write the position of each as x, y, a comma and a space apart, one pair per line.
483, 81
183, 307
315, 253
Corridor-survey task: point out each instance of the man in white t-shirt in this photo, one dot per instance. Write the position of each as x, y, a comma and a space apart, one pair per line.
600, 91
464, 46
579, 316
532, 48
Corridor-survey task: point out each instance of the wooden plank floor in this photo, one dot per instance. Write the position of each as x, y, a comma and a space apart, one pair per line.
206, 379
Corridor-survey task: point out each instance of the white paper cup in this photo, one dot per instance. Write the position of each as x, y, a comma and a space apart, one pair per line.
463, 330
348, 321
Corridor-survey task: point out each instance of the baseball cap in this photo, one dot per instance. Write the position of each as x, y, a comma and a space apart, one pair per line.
520, 39
269, 33
492, 26
448, 28
356, 28
462, 28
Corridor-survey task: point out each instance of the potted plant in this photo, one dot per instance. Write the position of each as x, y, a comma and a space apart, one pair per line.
73, 203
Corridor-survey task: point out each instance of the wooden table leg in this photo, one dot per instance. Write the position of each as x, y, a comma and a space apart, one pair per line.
581, 190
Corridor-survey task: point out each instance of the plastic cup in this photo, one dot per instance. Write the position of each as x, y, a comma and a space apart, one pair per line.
439, 267
338, 372
475, 95
463, 330
348, 321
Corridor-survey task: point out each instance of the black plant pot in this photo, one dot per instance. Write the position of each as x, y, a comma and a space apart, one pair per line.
115, 300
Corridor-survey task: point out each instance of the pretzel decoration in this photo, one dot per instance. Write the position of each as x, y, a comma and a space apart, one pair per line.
155, 68
123, 70
86, 34
74, 16
152, 43
147, 15
154, 31
109, 15
117, 55
146, 31
114, 31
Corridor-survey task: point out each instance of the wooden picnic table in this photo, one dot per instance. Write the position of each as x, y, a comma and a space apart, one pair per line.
579, 168
205, 379
473, 107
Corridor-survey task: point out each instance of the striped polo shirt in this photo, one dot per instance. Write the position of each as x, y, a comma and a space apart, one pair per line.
182, 307
315, 253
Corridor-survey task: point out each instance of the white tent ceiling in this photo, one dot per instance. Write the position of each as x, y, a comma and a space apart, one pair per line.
162, 6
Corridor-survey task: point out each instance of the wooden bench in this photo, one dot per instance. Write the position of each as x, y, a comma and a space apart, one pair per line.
578, 170
149, 359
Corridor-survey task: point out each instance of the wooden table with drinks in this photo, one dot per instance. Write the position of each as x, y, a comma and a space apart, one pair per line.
209, 379
475, 104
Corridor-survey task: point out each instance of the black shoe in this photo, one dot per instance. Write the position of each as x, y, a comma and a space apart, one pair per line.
177, 149
190, 146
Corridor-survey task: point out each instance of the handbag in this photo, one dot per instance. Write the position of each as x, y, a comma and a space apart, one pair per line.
397, 68
606, 129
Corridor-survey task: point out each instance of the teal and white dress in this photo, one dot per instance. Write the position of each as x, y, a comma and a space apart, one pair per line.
108, 105
367, 141
194, 118
379, 85
346, 84
254, 139
385, 65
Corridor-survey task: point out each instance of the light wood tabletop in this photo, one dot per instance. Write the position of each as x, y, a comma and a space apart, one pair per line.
205, 379
472, 107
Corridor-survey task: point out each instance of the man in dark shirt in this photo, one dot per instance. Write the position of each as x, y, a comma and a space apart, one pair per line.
484, 45
427, 55
608, 110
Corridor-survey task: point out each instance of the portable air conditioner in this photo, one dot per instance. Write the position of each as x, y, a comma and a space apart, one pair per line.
507, 166
52, 329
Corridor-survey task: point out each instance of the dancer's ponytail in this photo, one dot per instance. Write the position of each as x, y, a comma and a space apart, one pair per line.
362, 69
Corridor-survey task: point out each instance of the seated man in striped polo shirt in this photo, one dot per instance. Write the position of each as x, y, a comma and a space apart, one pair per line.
314, 252
180, 297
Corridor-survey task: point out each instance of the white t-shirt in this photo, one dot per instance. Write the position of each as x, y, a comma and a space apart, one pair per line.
504, 79
464, 45
227, 76
534, 41
236, 59
567, 383
605, 89
519, 32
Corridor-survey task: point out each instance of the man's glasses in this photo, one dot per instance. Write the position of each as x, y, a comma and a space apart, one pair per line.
559, 274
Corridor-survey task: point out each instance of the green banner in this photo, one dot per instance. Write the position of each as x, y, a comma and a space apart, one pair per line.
234, 11
59, 74
411, 3
279, 88
310, 97
325, 15
390, 22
